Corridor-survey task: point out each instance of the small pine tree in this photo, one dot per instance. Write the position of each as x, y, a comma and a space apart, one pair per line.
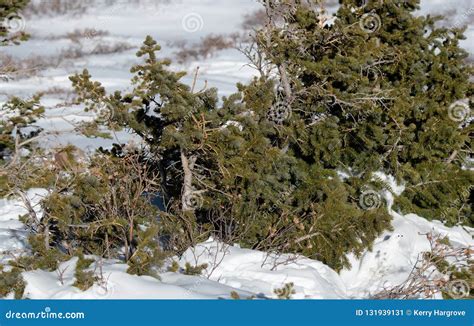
214, 169
11, 281
17, 132
42, 256
194, 270
84, 279
103, 209
17, 115
285, 292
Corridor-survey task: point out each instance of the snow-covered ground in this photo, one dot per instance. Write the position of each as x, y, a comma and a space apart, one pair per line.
247, 272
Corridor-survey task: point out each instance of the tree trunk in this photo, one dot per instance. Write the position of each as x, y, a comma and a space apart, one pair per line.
188, 191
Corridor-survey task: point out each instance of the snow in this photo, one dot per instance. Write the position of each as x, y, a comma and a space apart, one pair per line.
13, 233
395, 253
262, 273
117, 284
250, 273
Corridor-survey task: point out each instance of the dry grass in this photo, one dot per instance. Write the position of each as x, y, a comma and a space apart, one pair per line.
75, 7
206, 48
78, 35
16, 68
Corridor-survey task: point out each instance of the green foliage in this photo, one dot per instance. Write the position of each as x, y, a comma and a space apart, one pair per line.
102, 209
464, 280
11, 282
174, 267
42, 255
188, 268
236, 296
92, 130
194, 270
16, 115
224, 168
381, 99
443, 193
27, 173
9, 9
84, 279
16, 134
285, 292
147, 257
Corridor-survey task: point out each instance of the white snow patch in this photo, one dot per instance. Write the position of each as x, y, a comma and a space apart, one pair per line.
13, 233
